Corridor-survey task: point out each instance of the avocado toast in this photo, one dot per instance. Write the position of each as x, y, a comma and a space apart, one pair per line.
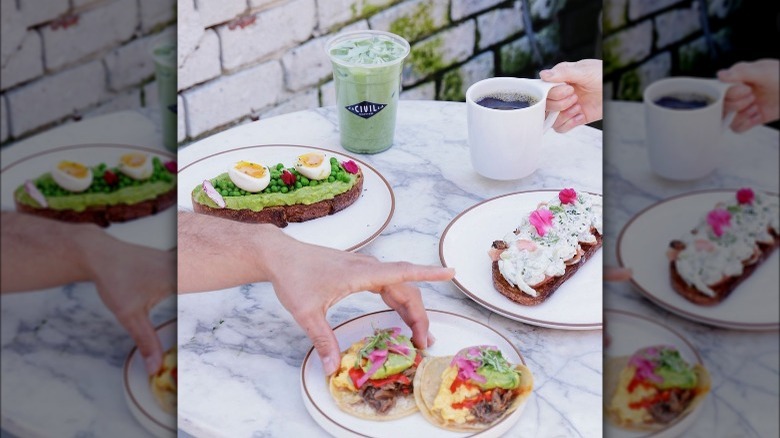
138, 186
250, 192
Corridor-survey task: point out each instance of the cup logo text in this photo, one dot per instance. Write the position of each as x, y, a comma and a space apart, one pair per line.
365, 109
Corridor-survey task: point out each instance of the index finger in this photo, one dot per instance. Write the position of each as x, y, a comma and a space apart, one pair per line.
406, 299
560, 92
392, 273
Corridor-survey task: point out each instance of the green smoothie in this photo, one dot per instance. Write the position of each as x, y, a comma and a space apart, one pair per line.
367, 69
164, 53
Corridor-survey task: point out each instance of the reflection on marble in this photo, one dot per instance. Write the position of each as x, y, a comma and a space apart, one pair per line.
61, 350
240, 351
743, 365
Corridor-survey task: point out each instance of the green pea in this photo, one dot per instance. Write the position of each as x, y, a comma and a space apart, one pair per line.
279, 166
313, 183
284, 189
333, 160
298, 184
275, 189
304, 180
331, 178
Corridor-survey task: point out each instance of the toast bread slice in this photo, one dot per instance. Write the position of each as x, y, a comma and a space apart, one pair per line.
104, 215
283, 215
726, 286
545, 289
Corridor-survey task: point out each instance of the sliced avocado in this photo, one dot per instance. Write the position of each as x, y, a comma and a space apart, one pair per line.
496, 379
395, 363
685, 379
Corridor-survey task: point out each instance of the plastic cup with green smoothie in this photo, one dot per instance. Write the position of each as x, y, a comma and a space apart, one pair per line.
164, 54
367, 69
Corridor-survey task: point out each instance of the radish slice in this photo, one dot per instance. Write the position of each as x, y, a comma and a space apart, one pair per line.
36, 194
212, 193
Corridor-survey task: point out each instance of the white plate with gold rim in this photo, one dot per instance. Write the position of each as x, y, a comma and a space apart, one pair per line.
156, 231
453, 332
138, 392
349, 230
627, 332
465, 243
642, 247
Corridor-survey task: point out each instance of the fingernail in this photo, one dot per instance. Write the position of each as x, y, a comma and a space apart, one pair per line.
546, 73
431, 339
331, 364
152, 363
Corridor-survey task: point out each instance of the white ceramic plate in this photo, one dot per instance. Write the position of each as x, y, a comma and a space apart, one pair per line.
156, 231
138, 394
465, 243
642, 246
628, 332
453, 333
349, 229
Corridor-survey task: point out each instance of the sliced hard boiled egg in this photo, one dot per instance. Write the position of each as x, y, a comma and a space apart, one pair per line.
313, 165
136, 166
249, 176
72, 176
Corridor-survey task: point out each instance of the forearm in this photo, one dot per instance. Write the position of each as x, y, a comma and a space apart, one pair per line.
218, 253
39, 253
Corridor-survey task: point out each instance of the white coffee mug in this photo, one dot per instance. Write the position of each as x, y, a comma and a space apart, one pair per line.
507, 144
685, 144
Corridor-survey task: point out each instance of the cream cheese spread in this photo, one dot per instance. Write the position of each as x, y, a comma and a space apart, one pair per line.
531, 258
708, 258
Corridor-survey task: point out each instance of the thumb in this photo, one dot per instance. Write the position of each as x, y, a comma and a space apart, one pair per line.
562, 72
321, 335
141, 330
740, 72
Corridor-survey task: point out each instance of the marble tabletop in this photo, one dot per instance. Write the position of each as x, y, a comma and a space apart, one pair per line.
240, 352
61, 350
743, 365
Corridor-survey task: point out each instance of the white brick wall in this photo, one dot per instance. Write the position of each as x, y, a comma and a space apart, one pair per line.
23, 64
121, 102
54, 97
304, 100
40, 11
202, 64
274, 29
306, 65
656, 68
190, 30
156, 12
498, 25
97, 30
4, 131
450, 46
328, 94
232, 97
215, 12
130, 64
13, 27
481, 67
437, 12
332, 13
676, 24
464, 8
640, 8
632, 44
426, 91
181, 126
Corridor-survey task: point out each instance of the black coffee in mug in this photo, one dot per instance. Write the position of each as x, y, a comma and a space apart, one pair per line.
507, 101
684, 101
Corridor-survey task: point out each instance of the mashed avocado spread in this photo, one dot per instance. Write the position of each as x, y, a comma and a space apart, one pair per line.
257, 201
80, 201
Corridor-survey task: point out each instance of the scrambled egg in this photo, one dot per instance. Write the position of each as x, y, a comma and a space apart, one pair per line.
341, 379
622, 398
442, 404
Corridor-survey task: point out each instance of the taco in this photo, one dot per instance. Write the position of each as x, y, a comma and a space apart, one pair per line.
376, 376
652, 388
472, 390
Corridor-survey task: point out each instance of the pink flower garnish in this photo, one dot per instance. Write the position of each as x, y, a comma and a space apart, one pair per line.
719, 219
745, 196
288, 177
376, 359
350, 166
541, 219
170, 166
213, 194
567, 196
36, 194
